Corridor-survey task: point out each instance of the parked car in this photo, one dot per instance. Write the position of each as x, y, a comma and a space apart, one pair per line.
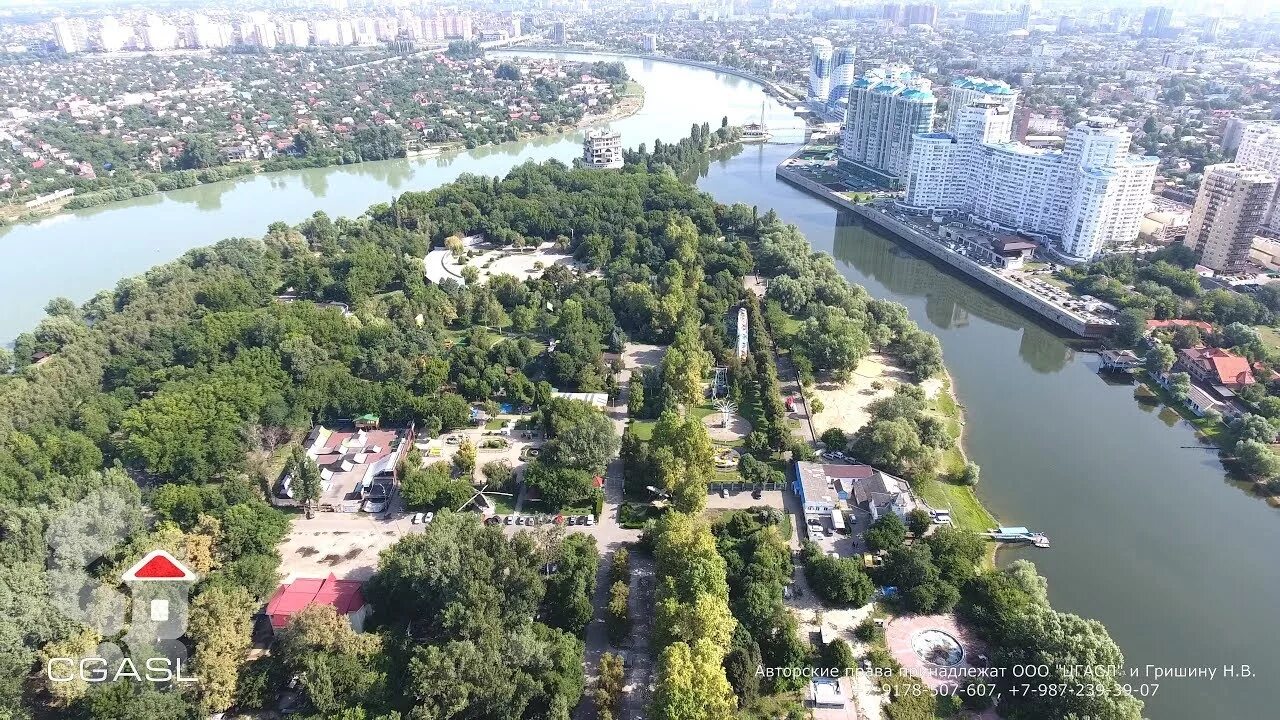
417, 518
589, 520
723, 493
508, 520
428, 517
756, 494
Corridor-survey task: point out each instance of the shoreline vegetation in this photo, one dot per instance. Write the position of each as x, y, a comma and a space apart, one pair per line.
630, 101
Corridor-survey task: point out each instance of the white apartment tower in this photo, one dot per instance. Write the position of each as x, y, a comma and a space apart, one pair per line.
602, 149
968, 90
69, 34
842, 75
1088, 196
820, 71
158, 34
1228, 213
886, 111
1260, 148
112, 35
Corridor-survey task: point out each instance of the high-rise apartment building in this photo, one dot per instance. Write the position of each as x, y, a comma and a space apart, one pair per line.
842, 74
1259, 147
326, 32
920, 14
1228, 213
650, 42
968, 90
602, 149
559, 35
1156, 21
113, 36
887, 108
1088, 196
69, 34
820, 71
992, 22
158, 34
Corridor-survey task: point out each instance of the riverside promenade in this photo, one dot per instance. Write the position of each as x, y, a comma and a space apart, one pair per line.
989, 277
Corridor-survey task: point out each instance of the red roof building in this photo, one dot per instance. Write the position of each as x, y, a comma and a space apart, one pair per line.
1216, 367
1153, 325
342, 595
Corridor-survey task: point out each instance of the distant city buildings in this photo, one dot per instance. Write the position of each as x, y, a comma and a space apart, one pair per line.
1088, 196
1229, 212
558, 34
602, 149
650, 42
920, 14
995, 22
820, 71
887, 108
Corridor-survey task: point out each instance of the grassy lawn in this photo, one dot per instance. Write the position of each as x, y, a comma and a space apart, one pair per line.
1269, 336
495, 424
643, 429
502, 504
967, 511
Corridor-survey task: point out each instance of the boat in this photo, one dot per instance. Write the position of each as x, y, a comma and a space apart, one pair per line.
1018, 535
756, 132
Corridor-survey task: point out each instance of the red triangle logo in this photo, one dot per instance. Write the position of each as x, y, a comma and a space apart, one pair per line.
158, 565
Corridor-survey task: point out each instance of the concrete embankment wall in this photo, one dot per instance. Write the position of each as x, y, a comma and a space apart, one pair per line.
976, 271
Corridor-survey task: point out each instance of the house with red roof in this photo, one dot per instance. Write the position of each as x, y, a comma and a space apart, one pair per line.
344, 596
1153, 325
1216, 367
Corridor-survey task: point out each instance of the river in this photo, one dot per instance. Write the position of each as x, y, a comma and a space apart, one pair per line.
1149, 536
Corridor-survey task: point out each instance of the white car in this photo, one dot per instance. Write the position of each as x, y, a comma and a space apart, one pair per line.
590, 521
426, 520
417, 518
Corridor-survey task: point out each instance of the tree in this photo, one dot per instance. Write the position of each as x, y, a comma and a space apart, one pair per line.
1188, 336
1131, 326
336, 666
969, 475
199, 152
684, 460
426, 487
618, 617
1257, 459
252, 527
306, 479
1254, 427
1160, 358
1179, 386
835, 439
837, 580
918, 521
464, 460
498, 474
838, 655
635, 398
691, 684
612, 683
221, 629
588, 444
559, 486
886, 533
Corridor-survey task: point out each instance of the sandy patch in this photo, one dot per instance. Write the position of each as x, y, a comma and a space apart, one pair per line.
523, 264
737, 429
845, 405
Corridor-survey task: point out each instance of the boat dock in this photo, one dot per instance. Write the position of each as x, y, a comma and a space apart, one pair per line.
1018, 535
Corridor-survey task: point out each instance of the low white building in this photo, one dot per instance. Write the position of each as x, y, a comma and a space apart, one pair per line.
602, 149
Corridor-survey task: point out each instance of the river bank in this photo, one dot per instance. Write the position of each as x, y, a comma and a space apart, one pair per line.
630, 102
